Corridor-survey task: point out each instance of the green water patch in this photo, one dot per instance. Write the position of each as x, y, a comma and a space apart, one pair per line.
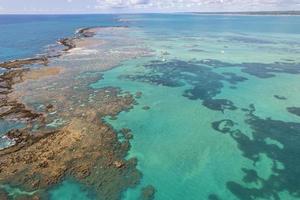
70, 189
15, 192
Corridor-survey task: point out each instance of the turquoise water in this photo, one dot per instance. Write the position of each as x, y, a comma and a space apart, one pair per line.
70, 189
177, 150
5, 127
199, 77
218, 88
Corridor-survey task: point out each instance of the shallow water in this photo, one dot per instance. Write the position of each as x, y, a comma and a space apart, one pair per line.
70, 189
5, 127
178, 150
218, 89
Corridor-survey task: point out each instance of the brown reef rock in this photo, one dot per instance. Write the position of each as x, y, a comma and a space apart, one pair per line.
64, 134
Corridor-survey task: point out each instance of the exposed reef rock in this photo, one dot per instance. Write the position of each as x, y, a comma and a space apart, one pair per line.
69, 43
20, 63
10, 107
64, 134
83, 148
87, 150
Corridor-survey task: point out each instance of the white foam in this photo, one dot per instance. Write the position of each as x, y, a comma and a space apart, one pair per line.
82, 51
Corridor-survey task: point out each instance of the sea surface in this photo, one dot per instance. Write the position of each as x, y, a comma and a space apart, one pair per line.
219, 115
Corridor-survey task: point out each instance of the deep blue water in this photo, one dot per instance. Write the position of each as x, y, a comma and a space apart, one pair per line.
23, 36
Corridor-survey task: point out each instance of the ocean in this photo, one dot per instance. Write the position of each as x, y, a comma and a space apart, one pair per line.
218, 117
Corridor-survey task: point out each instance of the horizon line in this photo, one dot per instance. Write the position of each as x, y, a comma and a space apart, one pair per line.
160, 12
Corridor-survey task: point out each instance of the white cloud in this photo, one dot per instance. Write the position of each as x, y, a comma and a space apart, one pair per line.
121, 3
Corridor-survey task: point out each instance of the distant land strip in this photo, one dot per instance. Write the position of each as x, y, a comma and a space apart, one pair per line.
251, 13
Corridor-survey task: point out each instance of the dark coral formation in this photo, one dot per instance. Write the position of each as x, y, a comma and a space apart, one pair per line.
249, 40
147, 193
213, 197
219, 104
205, 83
146, 108
280, 97
11, 108
223, 126
284, 149
260, 70
294, 110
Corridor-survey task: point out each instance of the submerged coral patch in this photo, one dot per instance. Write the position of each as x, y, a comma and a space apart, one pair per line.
280, 97
260, 70
284, 149
294, 110
147, 193
223, 126
249, 40
203, 82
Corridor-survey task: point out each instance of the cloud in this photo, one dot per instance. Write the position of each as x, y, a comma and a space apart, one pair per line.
121, 3
193, 4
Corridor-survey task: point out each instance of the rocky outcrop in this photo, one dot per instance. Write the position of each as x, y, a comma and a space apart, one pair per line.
64, 134
20, 63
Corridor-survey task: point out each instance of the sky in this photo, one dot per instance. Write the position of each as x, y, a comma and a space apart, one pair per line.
140, 6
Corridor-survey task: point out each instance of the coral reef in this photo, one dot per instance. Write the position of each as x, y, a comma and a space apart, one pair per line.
64, 133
